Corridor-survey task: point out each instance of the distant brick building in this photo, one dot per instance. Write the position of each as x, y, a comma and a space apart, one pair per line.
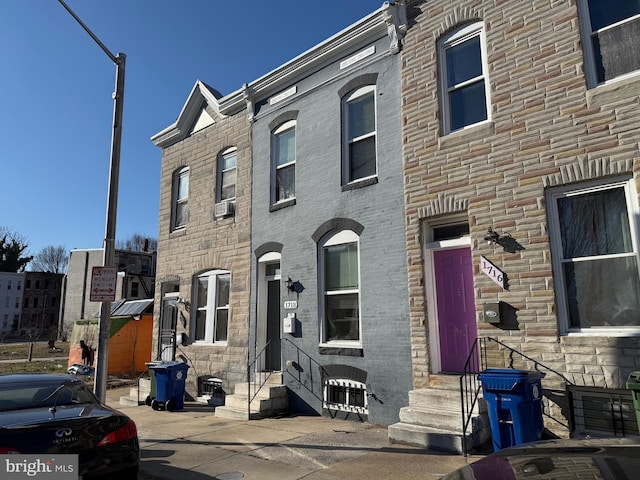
41, 305
136, 275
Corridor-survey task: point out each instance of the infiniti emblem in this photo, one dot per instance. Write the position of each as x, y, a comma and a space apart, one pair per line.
63, 432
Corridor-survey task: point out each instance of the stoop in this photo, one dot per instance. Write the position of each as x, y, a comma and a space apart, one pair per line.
271, 400
433, 419
137, 395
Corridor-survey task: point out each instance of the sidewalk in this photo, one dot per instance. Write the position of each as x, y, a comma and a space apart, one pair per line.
193, 444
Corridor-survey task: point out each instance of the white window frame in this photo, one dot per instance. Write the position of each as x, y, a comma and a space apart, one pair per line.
557, 250
591, 68
284, 128
349, 385
181, 175
338, 238
347, 136
222, 172
623, 399
457, 37
212, 307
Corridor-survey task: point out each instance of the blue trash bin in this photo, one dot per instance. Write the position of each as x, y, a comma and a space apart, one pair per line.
170, 380
514, 401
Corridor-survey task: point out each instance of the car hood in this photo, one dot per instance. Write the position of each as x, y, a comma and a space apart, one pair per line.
615, 458
33, 416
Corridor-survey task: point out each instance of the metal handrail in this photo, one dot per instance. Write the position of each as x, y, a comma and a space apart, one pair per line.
251, 367
302, 358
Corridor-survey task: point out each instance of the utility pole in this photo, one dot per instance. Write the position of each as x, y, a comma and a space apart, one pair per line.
100, 384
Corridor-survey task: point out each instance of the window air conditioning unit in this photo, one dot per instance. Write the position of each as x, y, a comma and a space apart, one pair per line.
224, 208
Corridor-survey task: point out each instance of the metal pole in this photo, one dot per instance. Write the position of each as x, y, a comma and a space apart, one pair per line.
102, 360
100, 384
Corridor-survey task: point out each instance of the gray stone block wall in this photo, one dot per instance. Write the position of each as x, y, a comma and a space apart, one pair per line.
547, 129
208, 243
379, 208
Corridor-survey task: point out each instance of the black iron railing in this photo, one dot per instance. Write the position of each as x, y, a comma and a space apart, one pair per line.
257, 379
303, 369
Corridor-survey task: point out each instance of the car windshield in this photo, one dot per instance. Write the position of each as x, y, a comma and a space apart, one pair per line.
19, 396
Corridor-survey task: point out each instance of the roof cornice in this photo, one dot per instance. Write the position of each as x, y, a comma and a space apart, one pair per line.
389, 19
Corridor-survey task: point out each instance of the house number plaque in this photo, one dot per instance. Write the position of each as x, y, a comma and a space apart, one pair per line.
491, 271
290, 305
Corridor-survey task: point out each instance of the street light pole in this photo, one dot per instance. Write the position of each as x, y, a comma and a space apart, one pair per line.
102, 361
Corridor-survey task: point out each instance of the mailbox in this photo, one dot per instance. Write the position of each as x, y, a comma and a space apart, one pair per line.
494, 312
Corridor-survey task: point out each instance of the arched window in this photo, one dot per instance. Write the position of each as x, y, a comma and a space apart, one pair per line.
283, 154
359, 134
339, 273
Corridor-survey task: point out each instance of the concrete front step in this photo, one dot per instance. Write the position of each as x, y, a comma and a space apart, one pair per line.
430, 417
270, 400
267, 391
427, 437
441, 400
240, 401
137, 394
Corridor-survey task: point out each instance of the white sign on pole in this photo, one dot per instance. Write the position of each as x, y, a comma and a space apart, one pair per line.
103, 284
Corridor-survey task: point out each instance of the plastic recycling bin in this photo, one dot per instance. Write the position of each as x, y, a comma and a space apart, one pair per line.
633, 384
514, 401
170, 380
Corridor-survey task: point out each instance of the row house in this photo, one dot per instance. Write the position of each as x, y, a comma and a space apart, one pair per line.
521, 130
281, 251
441, 187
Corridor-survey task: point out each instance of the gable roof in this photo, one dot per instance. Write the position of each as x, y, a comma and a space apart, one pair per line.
390, 19
201, 96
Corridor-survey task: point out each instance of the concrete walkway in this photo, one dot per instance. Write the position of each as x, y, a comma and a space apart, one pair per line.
192, 444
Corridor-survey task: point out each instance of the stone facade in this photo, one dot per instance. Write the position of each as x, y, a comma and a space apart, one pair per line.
206, 243
546, 129
292, 230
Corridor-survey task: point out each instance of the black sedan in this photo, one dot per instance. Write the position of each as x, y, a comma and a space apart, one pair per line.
588, 459
58, 414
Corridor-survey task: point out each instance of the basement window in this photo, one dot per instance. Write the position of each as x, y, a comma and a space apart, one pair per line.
345, 396
602, 412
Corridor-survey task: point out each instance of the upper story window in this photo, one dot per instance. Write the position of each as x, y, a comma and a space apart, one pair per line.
180, 198
340, 283
463, 78
359, 134
595, 257
227, 175
283, 151
611, 32
211, 299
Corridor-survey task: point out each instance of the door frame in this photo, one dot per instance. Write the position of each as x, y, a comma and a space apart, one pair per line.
429, 247
261, 303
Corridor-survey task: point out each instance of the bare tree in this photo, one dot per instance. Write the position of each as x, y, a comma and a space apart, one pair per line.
138, 243
12, 247
50, 259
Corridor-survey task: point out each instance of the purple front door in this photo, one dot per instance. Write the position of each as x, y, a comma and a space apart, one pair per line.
456, 306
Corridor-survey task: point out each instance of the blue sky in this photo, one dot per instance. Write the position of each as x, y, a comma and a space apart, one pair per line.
57, 111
